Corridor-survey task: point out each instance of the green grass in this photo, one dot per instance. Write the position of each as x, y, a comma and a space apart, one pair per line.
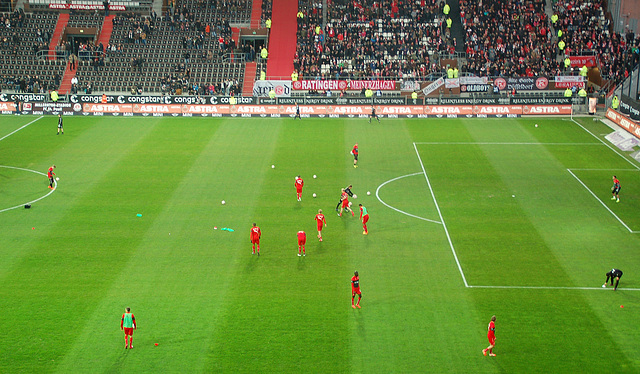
521, 206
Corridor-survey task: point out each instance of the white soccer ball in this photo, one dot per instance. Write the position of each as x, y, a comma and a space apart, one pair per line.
223, 202
368, 193
604, 286
314, 176
57, 178
273, 166
355, 196
536, 125
314, 195
350, 204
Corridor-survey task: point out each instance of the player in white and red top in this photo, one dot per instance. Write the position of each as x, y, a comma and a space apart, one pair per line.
299, 184
320, 220
344, 197
255, 238
302, 240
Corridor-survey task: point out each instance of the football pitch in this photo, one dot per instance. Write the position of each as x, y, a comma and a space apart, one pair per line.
469, 218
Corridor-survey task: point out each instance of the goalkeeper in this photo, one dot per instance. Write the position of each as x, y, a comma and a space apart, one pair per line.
348, 191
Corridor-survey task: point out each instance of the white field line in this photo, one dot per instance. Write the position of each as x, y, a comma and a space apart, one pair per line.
15, 131
557, 288
398, 210
504, 143
603, 204
607, 145
605, 169
453, 250
524, 287
33, 201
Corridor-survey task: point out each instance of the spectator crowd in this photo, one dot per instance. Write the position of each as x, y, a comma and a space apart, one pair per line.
373, 38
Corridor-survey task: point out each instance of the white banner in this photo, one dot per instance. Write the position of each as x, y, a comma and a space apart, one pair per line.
474, 80
281, 88
563, 81
409, 86
452, 83
433, 86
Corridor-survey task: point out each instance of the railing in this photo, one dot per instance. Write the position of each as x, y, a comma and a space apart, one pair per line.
52, 54
234, 57
452, 56
59, 55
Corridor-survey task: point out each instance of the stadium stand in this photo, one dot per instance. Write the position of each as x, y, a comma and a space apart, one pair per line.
171, 55
267, 6
508, 38
587, 31
191, 48
23, 65
383, 39
517, 38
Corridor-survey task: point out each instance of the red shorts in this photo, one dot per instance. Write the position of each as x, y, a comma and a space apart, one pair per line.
302, 241
255, 240
492, 339
365, 219
345, 203
319, 226
128, 330
299, 190
355, 291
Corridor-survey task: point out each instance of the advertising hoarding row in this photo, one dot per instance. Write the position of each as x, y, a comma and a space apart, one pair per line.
314, 100
206, 110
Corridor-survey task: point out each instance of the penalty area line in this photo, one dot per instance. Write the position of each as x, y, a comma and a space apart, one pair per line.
446, 231
601, 202
15, 131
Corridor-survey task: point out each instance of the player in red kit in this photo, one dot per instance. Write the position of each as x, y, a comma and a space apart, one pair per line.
354, 152
491, 335
355, 290
320, 220
51, 174
255, 238
299, 184
345, 204
302, 240
364, 217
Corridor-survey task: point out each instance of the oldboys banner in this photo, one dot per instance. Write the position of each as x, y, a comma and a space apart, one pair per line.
339, 85
580, 61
